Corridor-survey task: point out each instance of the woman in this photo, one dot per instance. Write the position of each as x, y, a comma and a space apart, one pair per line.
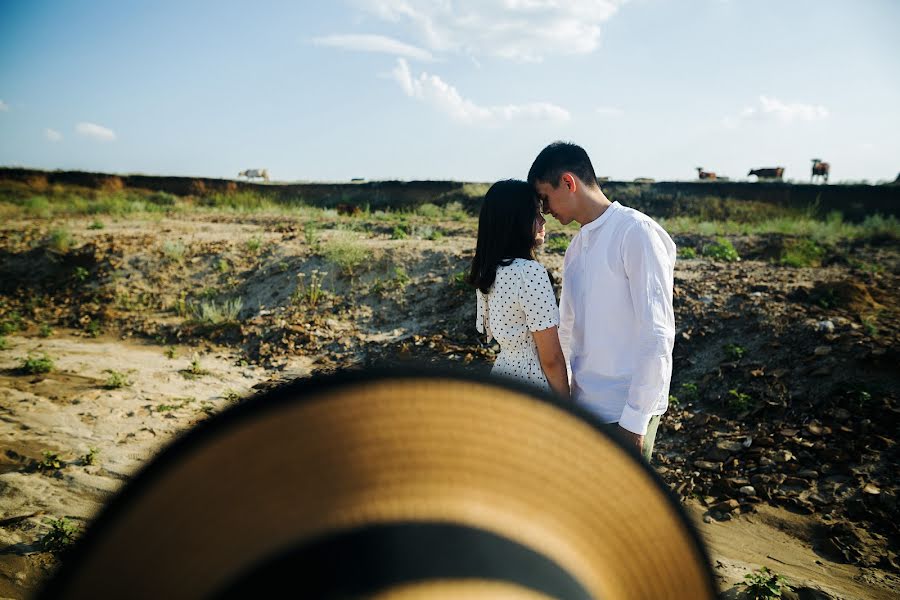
516, 305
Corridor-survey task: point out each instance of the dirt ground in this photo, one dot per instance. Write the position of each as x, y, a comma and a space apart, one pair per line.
781, 441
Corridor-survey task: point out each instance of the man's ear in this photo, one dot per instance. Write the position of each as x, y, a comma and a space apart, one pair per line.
570, 181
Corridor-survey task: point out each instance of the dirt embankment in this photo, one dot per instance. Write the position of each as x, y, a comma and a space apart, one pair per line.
785, 380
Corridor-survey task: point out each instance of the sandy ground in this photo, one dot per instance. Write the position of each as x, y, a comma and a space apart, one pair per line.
70, 411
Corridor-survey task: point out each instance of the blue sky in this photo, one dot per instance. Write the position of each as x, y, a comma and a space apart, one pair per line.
465, 90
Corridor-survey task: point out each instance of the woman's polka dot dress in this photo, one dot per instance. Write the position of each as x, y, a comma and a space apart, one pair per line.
520, 301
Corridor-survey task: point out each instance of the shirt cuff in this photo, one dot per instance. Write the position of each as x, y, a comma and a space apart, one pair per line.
634, 421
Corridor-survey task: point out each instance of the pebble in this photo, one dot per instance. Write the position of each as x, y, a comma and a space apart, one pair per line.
748, 490
825, 326
822, 350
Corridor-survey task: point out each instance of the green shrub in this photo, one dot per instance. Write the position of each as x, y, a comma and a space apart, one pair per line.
399, 233
687, 252
116, 380
347, 255
60, 240
722, 250
174, 251
62, 534
208, 311
37, 363
429, 210
97, 224
91, 456
3, 343
734, 351
557, 243
738, 402
50, 462
45, 330
162, 199
802, 253
764, 584
11, 324
80, 274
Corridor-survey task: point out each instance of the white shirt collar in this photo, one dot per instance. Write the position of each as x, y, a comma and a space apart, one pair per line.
596, 223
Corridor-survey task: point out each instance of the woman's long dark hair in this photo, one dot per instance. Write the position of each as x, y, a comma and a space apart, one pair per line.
505, 230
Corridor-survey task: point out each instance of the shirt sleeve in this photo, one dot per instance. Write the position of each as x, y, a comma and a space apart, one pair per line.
649, 259
481, 314
566, 320
536, 297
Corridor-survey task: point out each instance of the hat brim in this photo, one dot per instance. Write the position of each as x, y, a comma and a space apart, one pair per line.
561, 508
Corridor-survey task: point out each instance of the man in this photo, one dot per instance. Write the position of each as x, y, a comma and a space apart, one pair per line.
617, 324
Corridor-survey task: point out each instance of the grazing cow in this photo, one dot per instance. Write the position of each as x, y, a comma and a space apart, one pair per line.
819, 169
705, 174
348, 209
255, 174
768, 173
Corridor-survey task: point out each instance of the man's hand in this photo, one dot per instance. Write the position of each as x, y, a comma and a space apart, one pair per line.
632, 438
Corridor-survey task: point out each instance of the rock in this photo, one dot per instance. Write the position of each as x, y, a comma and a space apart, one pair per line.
783, 456
808, 474
825, 327
795, 482
708, 466
716, 454
727, 506
822, 351
748, 490
815, 428
730, 446
871, 488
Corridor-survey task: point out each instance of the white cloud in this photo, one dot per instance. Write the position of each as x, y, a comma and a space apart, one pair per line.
52, 135
522, 30
443, 96
373, 43
97, 132
773, 109
3, 106
610, 111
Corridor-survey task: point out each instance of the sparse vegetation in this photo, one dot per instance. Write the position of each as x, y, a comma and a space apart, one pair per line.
734, 351
45, 330
80, 274
61, 536
50, 462
3, 343
802, 253
11, 324
116, 380
722, 250
213, 313
764, 584
346, 255
91, 457
309, 294
738, 402
35, 364
557, 243
60, 240
174, 251
687, 252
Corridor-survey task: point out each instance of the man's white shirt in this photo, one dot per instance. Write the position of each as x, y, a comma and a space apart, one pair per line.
617, 323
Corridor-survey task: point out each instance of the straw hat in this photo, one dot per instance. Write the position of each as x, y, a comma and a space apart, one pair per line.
392, 485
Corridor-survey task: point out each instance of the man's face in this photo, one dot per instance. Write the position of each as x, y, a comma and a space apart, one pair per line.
556, 201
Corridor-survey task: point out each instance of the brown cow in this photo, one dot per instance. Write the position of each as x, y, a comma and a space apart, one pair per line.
767, 173
705, 174
819, 169
348, 209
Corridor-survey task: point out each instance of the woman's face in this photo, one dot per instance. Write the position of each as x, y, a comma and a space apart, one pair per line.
539, 221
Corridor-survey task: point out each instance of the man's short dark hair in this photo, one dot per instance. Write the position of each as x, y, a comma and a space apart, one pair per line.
559, 158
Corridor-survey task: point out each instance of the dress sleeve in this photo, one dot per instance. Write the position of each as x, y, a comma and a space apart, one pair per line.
536, 297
